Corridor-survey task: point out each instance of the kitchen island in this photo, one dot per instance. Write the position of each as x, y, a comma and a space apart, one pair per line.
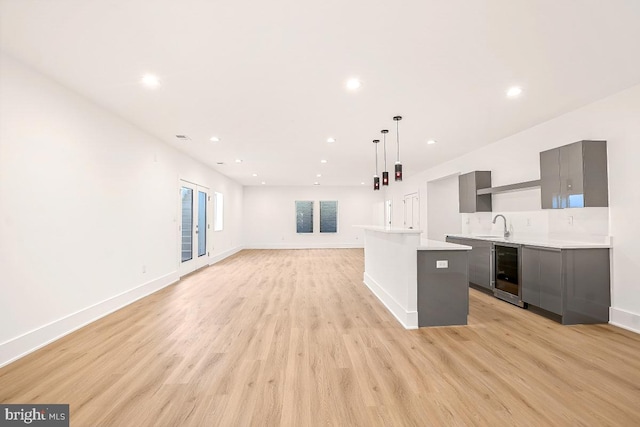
421, 282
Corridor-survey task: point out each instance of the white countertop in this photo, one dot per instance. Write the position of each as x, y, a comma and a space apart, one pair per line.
436, 245
542, 241
390, 230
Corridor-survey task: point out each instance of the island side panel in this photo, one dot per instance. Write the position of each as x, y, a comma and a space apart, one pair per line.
443, 293
391, 272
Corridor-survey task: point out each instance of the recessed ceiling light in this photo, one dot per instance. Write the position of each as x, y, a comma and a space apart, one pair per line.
514, 91
150, 81
331, 140
431, 141
255, 174
214, 139
316, 183
323, 161
362, 183
353, 84
319, 175
263, 183
238, 160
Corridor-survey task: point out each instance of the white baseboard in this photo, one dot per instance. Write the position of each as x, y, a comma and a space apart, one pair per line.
31, 341
408, 319
624, 319
306, 246
219, 257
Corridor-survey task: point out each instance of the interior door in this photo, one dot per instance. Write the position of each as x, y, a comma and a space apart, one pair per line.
194, 227
412, 211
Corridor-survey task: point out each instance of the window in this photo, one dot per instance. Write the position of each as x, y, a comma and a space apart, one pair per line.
328, 216
304, 216
219, 214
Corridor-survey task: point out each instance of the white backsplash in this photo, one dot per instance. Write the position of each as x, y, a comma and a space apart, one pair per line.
583, 224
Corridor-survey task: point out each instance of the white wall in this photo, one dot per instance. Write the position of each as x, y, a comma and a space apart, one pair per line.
86, 200
516, 159
442, 208
269, 216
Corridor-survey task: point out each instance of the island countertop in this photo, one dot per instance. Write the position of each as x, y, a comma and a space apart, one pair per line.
389, 230
436, 245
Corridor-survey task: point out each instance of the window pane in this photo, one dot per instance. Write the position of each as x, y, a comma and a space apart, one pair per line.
329, 217
202, 223
219, 206
304, 217
187, 223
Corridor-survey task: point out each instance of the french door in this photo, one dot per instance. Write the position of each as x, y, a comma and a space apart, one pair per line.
194, 227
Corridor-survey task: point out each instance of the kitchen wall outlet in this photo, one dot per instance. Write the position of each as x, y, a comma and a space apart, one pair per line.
528, 222
570, 220
442, 264
467, 221
144, 269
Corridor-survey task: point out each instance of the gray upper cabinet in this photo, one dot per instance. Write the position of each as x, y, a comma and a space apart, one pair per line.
468, 186
574, 176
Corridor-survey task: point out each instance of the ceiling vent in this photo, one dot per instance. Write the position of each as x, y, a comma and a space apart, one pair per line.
183, 137
219, 163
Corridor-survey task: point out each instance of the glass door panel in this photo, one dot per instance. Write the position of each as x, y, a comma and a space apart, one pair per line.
186, 230
201, 228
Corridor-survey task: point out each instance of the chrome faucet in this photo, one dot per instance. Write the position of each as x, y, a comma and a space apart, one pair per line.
506, 232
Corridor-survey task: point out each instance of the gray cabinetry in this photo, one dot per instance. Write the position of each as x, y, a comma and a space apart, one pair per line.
468, 186
542, 278
572, 283
574, 176
479, 260
443, 293
480, 263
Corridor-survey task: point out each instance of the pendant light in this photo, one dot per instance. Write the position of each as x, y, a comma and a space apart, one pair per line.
376, 178
398, 164
385, 174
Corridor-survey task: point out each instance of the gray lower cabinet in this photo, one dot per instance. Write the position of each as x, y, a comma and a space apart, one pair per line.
542, 278
443, 293
480, 263
479, 260
572, 283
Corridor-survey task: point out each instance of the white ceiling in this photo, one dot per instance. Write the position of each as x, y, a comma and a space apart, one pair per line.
268, 77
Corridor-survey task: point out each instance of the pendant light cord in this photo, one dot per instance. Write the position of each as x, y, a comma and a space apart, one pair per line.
376, 157
398, 140
384, 144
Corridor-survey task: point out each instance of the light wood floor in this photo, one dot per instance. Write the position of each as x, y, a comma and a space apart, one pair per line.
293, 338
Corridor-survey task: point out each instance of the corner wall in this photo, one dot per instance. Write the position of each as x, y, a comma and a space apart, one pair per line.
89, 211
